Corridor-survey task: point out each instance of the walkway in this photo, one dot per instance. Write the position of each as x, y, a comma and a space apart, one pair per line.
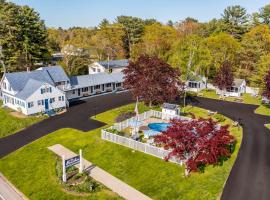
8, 191
113, 183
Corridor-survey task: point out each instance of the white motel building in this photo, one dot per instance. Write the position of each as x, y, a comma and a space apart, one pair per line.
49, 89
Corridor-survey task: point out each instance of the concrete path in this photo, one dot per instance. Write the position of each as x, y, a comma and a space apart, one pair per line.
113, 183
8, 191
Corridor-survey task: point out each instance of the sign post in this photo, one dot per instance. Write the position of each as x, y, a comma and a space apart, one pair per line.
71, 162
64, 169
81, 162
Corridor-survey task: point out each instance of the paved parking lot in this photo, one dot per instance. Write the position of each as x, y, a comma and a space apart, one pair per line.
249, 178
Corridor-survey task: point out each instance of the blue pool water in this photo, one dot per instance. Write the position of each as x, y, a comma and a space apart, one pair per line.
159, 126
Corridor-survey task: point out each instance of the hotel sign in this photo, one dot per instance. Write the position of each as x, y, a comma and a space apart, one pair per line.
72, 161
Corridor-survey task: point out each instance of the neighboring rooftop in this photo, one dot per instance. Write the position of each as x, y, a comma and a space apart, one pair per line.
114, 63
238, 82
95, 79
170, 106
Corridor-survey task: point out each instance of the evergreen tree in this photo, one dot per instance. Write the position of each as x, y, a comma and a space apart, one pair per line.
23, 36
236, 20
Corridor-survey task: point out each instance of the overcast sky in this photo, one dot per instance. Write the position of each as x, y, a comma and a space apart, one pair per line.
88, 13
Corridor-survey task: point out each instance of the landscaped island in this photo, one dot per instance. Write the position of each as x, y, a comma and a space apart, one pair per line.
152, 176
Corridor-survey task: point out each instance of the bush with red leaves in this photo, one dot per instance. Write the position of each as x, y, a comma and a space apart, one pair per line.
199, 142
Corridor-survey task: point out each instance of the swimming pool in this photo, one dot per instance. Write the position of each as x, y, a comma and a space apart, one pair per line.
159, 126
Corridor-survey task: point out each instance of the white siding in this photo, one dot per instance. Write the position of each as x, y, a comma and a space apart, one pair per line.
37, 96
96, 68
14, 103
8, 89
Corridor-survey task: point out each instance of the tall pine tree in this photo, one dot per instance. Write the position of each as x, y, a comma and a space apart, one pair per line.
23, 36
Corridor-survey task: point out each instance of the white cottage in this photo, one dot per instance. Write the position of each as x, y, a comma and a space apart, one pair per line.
169, 111
35, 91
237, 89
110, 66
196, 83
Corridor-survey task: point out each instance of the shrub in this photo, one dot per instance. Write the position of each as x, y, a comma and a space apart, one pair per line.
219, 117
124, 116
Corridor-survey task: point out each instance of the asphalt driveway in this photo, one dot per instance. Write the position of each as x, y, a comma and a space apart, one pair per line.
250, 175
77, 117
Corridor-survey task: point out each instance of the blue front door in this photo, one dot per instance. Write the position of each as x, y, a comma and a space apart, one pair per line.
46, 104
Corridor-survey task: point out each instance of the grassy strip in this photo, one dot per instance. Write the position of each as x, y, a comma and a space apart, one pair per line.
247, 98
10, 124
32, 168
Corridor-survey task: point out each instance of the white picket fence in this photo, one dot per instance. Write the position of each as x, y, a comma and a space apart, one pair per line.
146, 115
139, 146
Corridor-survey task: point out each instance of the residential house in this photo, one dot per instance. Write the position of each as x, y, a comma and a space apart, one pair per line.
35, 91
110, 66
237, 89
196, 83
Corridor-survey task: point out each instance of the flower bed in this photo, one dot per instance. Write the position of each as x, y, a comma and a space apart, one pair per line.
79, 183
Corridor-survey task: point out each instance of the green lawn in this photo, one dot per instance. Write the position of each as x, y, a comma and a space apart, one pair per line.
10, 124
32, 168
247, 98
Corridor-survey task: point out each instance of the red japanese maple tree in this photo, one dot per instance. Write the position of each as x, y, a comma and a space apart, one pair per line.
266, 90
224, 77
152, 80
198, 142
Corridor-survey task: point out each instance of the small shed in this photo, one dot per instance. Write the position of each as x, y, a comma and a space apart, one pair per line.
170, 110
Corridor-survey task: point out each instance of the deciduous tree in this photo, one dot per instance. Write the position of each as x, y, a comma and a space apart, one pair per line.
224, 78
152, 80
156, 41
198, 142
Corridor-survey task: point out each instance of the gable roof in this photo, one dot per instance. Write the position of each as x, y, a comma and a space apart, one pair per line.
170, 106
238, 82
49, 75
95, 79
56, 72
18, 80
114, 63
30, 87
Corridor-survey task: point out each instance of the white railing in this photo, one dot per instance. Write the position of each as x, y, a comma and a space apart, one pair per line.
139, 146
